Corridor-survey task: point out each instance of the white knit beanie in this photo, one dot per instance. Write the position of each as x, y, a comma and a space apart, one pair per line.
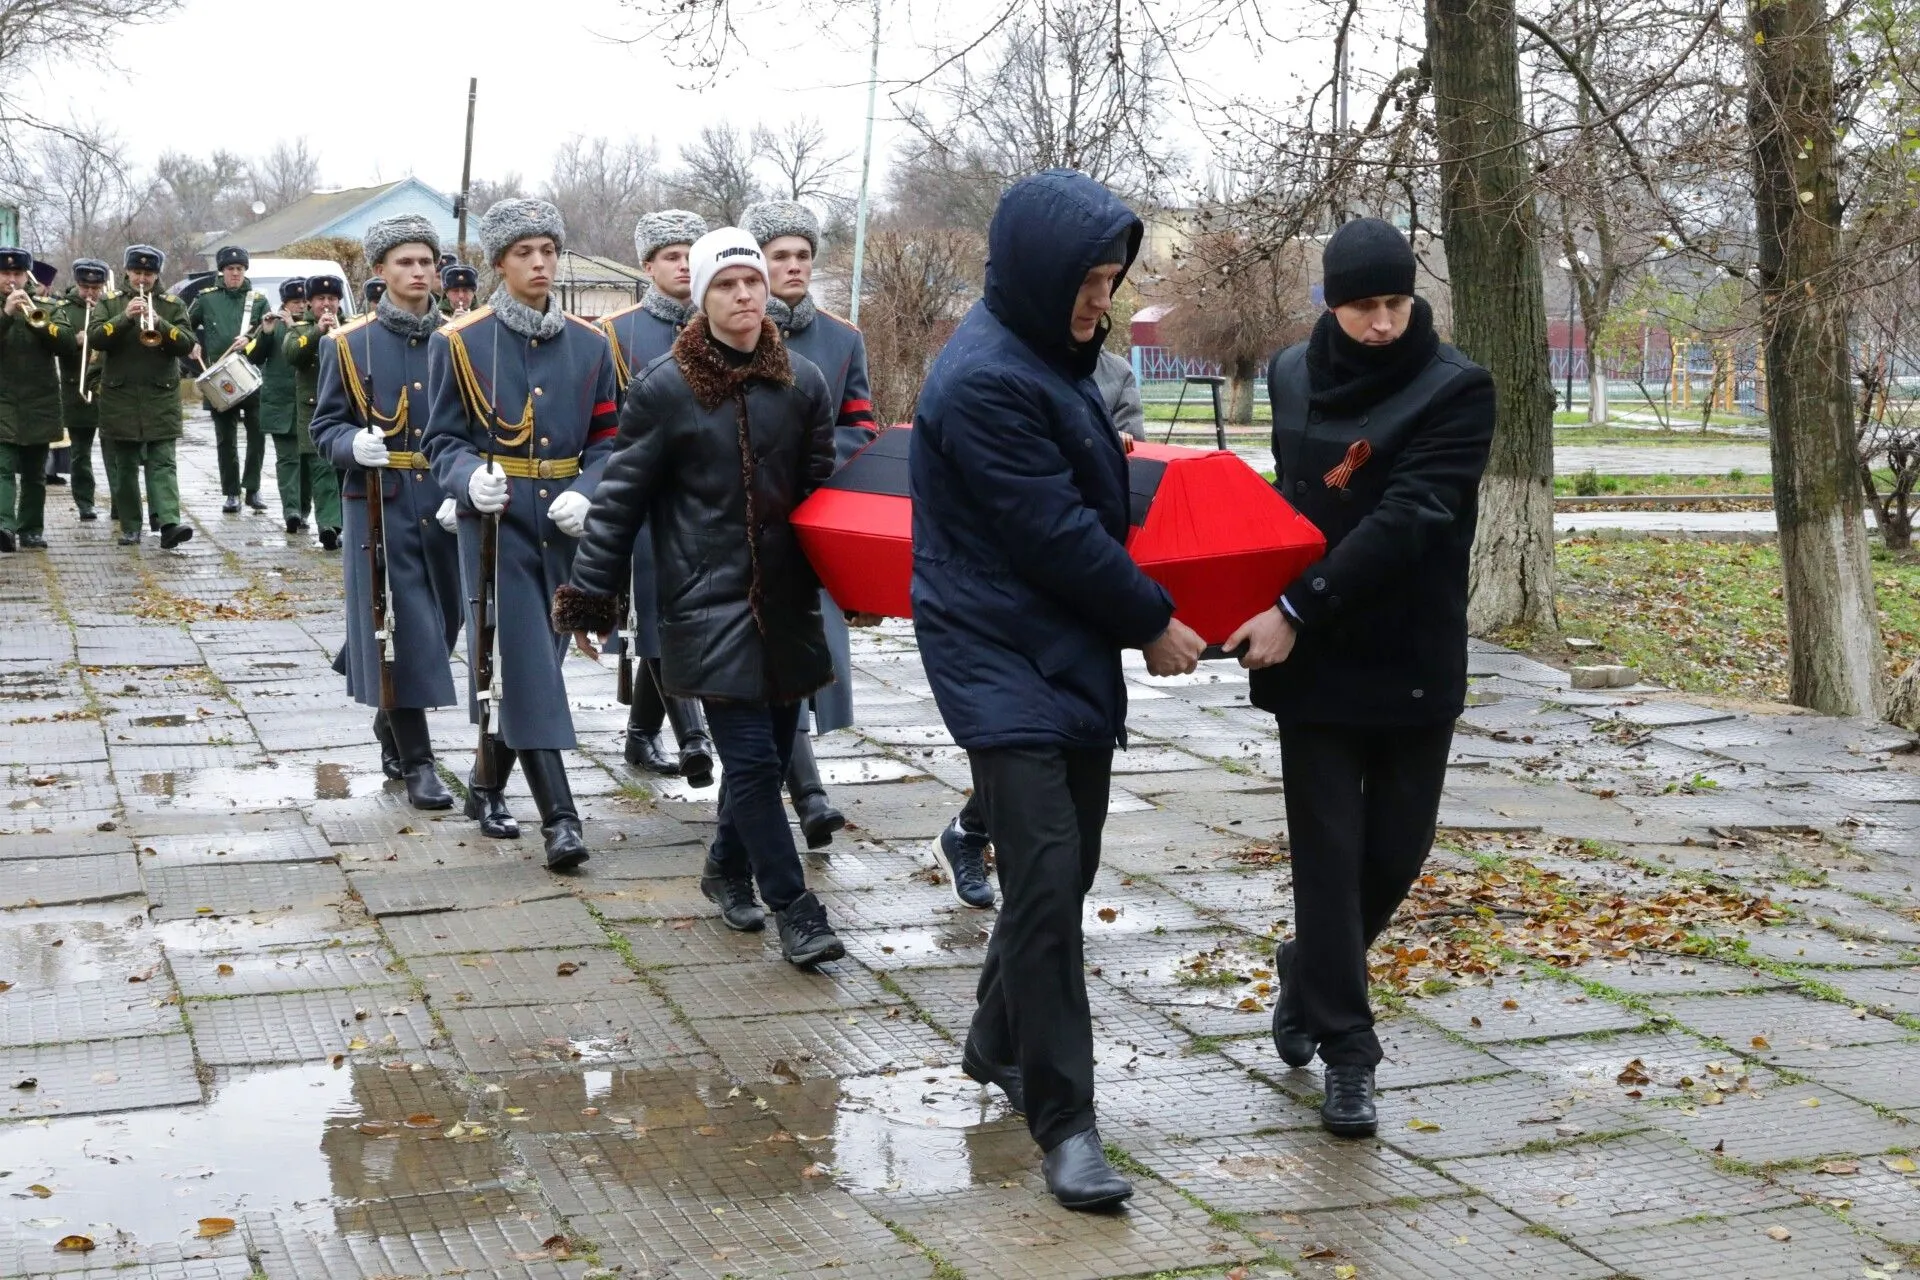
717, 250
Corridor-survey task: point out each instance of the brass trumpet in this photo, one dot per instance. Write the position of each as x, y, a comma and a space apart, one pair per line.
35, 315
150, 335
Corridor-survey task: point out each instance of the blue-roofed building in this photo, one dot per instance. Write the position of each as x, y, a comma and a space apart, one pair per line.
346, 212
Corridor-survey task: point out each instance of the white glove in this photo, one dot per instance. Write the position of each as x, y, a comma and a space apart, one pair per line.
569, 513
369, 448
448, 516
487, 490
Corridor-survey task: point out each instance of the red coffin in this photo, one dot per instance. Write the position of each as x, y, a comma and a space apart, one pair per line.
1204, 525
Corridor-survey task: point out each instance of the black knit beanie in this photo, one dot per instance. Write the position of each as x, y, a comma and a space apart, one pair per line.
1366, 258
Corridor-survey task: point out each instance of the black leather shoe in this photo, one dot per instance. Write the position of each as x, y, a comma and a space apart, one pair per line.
330, 539
231, 507
805, 936
172, 535
128, 540
153, 524
1080, 1177
1290, 1035
88, 513
6, 541
32, 542
645, 751
296, 525
1005, 1078
734, 896
1348, 1109
963, 856
689, 722
254, 501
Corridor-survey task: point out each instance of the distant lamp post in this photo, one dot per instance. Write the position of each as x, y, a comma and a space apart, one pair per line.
1573, 292
259, 208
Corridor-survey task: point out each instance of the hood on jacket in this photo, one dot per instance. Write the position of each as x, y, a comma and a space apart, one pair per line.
1048, 231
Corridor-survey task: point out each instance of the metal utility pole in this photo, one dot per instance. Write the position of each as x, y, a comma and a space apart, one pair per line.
866, 173
466, 169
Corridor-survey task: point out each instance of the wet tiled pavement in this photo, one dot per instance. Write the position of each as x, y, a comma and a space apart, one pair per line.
261, 1020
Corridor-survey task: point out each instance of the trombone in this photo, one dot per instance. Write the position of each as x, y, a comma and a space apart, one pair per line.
149, 323
86, 323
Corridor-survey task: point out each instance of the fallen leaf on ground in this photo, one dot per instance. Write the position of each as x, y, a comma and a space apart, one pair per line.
37, 1190
74, 1244
566, 969
423, 1120
1902, 1164
225, 970
1108, 914
1779, 1233
1839, 1168
211, 1227
1761, 1042
1422, 1126
814, 1170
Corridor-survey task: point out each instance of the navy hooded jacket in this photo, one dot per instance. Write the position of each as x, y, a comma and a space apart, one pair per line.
1023, 592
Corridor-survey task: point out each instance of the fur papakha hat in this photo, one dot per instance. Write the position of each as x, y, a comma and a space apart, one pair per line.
407, 228
516, 219
655, 231
771, 219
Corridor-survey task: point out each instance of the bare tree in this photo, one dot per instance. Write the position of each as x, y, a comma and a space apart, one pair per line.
36, 33
1835, 658
601, 187
82, 197
717, 178
1237, 306
918, 283
288, 173
1072, 84
808, 165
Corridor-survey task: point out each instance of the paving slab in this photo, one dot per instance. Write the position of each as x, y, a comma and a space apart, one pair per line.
562, 922
1437, 1240
772, 987
98, 1075
1293, 1172
723, 1161
632, 1028
186, 892
1791, 1244
1880, 1074
453, 1233
395, 893
1776, 1022
1505, 1113
554, 975
100, 877
290, 844
94, 1010
1586, 1189
1784, 1122
818, 1235
309, 1026
1509, 1009
326, 968
799, 1046
1873, 1196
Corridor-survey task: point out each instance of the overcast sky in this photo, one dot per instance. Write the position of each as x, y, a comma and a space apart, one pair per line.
546, 70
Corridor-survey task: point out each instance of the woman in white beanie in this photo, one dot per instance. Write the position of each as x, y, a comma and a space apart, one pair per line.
717, 446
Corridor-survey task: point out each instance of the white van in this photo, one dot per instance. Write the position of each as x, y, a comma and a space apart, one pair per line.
267, 275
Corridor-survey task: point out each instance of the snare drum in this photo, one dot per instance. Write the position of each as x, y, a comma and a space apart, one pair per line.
228, 381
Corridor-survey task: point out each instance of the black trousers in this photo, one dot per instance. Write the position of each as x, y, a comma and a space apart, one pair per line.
1362, 803
1045, 807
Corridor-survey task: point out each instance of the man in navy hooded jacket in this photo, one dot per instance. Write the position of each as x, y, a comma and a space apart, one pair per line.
1023, 598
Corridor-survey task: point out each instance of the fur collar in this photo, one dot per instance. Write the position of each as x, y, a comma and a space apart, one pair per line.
524, 320
403, 322
672, 310
792, 319
711, 379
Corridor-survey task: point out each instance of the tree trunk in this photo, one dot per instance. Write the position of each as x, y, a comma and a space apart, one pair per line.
1596, 387
1240, 392
1836, 657
1499, 309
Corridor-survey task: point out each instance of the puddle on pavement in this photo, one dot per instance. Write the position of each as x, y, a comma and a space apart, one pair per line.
292, 1141
263, 786
914, 1133
81, 944
174, 721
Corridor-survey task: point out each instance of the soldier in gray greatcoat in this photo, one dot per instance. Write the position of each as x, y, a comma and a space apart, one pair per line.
523, 419
369, 418
640, 335
789, 234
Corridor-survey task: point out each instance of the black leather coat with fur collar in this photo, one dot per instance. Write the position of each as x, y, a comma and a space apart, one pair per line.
709, 451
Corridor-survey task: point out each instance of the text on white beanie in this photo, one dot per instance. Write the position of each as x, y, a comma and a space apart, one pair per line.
717, 250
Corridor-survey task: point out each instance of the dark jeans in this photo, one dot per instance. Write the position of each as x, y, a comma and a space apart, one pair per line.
1045, 807
755, 742
973, 817
1361, 808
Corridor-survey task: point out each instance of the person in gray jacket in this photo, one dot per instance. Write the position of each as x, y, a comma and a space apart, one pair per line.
789, 234
1121, 390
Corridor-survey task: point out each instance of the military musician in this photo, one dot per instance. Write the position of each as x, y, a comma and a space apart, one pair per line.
288, 353
223, 317
80, 376
142, 334
457, 285
29, 402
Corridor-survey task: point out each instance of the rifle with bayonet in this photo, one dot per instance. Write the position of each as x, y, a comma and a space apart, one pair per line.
486, 622
382, 590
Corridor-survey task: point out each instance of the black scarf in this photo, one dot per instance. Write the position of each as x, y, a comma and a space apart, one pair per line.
1344, 376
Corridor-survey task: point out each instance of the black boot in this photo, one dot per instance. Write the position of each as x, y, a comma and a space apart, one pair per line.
231, 507
295, 525
389, 748
488, 805
696, 748
559, 820
1348, 1107
330, 539
1080, 1177
7, 542
256, 502
424, 788
805, 936
644, 718
172, 535
818, 819
1290, 1034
